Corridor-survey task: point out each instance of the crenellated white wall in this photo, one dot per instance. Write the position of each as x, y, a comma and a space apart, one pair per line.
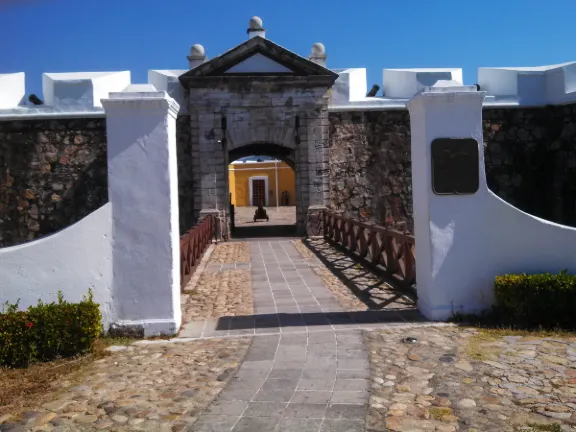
167, 80
405, 83
464, 241
79, 93
12, 90
505, 87
81, 90
531, 86
72, 260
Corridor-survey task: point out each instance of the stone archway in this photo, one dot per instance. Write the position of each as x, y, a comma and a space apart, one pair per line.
232, 110
283, 154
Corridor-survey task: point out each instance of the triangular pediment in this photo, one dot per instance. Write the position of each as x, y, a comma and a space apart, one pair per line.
258, 57
258, 64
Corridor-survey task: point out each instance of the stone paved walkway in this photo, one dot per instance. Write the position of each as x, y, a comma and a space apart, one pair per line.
289, 297
296, 382
307, 368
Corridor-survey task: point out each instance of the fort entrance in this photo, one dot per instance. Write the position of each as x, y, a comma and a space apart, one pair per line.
258, 98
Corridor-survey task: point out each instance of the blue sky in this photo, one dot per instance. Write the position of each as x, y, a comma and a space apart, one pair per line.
39, 36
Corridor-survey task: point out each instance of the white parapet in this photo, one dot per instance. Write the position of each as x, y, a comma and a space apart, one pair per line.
350, 86
531, 86
12, 89
349, 93
405, 83
167, 80
81, 90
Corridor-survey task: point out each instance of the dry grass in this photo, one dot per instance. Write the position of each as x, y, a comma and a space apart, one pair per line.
480, 348
537, 334
486, 343
33, 386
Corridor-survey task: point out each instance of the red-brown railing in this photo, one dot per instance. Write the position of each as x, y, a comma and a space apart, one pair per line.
390, 250
192, 247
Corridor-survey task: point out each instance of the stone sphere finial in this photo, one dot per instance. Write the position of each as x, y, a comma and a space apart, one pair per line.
256, 23
197, 50
318, 49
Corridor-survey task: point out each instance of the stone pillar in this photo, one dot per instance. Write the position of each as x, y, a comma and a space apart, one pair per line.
143, 192
446, 227
210, 167
318, 173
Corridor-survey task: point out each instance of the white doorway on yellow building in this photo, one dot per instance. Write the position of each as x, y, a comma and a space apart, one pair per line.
267, 181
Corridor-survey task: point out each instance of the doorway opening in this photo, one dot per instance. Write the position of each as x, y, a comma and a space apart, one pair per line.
259, 182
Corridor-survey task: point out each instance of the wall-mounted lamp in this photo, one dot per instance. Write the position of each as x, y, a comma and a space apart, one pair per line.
297, 127
224, 125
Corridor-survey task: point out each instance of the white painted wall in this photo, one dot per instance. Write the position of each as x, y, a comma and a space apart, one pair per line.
81, 90
405, 83
143, 191
12, 89
531, 86
258, 63
167, 80
71, 261
463, 242
350, 89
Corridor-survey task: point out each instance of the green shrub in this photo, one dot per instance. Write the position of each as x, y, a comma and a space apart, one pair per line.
537, 301
48, 331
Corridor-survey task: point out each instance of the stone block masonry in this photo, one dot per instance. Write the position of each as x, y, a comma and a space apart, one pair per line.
52, 174
530, 160
370, 167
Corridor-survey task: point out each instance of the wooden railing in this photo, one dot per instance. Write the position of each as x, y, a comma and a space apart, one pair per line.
192, 247
390, 250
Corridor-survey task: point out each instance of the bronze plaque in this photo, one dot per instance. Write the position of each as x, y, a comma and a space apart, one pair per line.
455, 166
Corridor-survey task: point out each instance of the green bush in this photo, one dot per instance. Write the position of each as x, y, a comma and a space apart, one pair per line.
48, 331
537, 301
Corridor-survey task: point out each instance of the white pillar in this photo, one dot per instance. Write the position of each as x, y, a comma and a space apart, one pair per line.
143, 191
449, 231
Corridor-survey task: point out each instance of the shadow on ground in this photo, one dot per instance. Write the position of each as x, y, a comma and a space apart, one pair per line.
378, 294
264, 231
341, 320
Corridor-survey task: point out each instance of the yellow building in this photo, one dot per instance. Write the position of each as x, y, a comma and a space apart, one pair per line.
253, 180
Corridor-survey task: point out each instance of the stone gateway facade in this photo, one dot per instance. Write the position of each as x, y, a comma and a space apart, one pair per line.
238, 109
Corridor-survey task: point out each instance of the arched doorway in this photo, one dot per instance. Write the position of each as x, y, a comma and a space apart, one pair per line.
234, 103
262, 174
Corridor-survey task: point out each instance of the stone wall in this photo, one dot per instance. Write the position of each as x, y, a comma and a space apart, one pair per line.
52, 174
370, 167
530, 157
185, 180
